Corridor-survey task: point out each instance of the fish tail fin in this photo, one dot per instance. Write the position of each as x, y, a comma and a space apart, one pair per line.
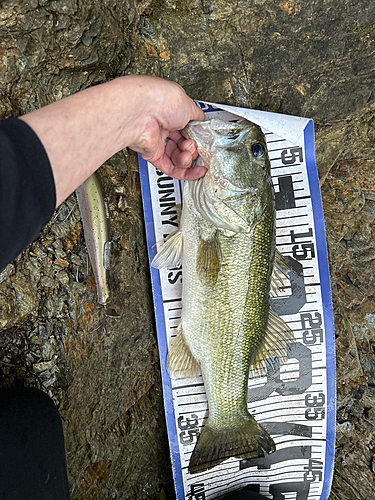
246, 441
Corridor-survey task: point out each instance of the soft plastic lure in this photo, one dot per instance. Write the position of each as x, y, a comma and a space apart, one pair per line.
95, 218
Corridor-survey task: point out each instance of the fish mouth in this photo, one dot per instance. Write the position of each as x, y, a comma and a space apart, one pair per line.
195, 130
202, 135
200, 132
198, 162
216, 133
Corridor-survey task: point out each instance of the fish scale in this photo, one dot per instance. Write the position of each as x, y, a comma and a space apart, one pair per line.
227, 237
226, 382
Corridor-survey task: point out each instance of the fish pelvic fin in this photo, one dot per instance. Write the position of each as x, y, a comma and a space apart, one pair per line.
170, 254
275, 344
209, 259
245, 441
180, 361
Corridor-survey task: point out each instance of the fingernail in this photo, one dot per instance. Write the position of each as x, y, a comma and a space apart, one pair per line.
191, 148
192, 164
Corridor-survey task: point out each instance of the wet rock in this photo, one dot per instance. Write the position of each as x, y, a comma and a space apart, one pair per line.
345, 161
312, 59
18, 299
6, 272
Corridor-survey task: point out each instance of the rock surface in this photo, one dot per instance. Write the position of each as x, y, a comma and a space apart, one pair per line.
312, 59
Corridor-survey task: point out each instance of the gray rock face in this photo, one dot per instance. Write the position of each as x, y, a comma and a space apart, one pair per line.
313, 59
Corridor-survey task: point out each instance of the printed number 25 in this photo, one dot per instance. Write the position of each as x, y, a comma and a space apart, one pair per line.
189, 429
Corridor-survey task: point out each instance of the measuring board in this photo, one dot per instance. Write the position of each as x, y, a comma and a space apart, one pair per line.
294, 402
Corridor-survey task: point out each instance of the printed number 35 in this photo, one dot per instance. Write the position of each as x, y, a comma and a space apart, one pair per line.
189, 429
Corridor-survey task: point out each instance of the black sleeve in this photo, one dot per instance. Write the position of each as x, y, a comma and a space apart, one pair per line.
27, 188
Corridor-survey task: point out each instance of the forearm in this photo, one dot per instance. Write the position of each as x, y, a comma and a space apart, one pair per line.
82, 131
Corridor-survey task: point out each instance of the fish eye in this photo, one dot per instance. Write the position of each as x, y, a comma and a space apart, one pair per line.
258, 150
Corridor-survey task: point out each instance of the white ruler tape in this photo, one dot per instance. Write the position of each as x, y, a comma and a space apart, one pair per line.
296, 402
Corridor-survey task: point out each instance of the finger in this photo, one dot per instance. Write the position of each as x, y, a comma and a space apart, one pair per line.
166, 166
176, 136
189, 174
171, 146
181, 158
198, 114
184, 144
189, 145
182, 154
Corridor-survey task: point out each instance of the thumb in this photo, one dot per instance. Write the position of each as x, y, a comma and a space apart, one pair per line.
197, 113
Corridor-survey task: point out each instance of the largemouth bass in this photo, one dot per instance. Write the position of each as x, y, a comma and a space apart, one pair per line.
226, 243
95, 219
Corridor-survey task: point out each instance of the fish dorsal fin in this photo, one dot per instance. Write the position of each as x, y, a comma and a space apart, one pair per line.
279, 273
209, 258
180, 361
171, 253
208, 210
275, 344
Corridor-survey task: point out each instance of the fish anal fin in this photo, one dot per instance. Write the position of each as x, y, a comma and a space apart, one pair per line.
209, 259
275, 344
180, 361
170, 254
214, 446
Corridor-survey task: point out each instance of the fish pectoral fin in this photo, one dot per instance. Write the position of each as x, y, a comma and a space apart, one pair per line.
245, 441
275, 344
178, 209
180, 361
209, 259
279, 273
170, 254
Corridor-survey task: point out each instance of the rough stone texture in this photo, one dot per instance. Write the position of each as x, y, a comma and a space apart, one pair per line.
346, 159
313, 59
106, 382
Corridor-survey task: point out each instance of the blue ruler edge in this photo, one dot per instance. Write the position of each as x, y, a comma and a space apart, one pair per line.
161, 331
321, 243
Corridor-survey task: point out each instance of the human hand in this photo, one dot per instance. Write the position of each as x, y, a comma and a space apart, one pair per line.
80, 132
165, 110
